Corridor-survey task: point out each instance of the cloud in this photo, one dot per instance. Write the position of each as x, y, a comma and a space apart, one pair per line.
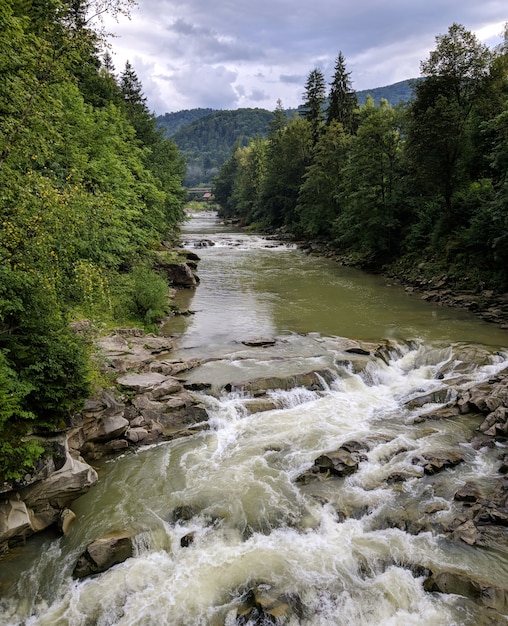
226, 55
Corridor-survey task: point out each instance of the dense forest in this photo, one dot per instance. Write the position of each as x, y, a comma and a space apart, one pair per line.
206, 137
420, 186
207, 142
88, 189
171, 123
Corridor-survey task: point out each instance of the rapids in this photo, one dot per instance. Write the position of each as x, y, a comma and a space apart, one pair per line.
345, 551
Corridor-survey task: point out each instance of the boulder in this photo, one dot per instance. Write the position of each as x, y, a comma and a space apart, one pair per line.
103, 553
433, 463
464, 585
48, 497
107, 428
178, 274
339, 463
261, 605
15, 522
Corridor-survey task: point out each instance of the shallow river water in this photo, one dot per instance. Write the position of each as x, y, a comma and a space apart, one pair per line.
335, 551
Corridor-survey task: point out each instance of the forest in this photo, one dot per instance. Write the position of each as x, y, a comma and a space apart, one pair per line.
421, 186
88, 189
207, 141
206, 137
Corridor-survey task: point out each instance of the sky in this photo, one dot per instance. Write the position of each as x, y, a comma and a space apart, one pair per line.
228, 54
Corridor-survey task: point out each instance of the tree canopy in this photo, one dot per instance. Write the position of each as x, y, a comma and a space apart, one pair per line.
88, 188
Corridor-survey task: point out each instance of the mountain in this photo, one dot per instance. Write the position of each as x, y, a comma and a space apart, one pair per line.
395, 93
209, 139
206, 137
172, 122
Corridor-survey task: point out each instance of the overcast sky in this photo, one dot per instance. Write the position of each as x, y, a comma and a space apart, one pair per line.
226, 54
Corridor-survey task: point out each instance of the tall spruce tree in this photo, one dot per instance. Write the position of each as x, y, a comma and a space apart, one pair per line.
343, 102
314, 100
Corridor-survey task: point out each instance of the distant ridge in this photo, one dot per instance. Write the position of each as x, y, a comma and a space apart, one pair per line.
395, 93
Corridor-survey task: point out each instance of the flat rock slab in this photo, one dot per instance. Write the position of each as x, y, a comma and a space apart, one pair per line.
259, 342
141, 383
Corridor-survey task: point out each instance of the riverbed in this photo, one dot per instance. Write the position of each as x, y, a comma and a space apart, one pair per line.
224, 514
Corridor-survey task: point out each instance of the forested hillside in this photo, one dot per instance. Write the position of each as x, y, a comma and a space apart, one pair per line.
88, 188
424, 185
170, 123
206, 136
395, 93
207, 141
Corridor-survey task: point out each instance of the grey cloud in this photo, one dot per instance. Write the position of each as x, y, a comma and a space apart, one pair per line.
247, 52
292, 78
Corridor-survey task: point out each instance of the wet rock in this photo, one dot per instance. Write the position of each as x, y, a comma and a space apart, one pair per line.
259, 342
183, 513
467, 532
464, 585
187, 540
315, 380
65, 520
261, 606
103, 553
259, 405
339, 463
433, 463
469, 493
436, 397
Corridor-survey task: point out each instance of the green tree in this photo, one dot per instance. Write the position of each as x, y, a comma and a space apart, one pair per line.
288, 154
314, 100
372, 201
342, 101
439, 139
318, 197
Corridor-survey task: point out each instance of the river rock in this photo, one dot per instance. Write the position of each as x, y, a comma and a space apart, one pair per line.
433, 463
107, 428
464, 585
259, 342
141, 382
65, 520
315, 380
103, 553
178, 274
339, 463
15, 521
261, 605
39, 504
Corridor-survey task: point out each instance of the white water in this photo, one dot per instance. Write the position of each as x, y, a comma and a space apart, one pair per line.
343, 547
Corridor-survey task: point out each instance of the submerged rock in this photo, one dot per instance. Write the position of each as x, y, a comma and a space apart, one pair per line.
262, 606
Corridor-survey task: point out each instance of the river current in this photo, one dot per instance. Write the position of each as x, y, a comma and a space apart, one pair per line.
335, 549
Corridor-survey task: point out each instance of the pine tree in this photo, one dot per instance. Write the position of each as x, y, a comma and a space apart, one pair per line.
343, 103
314, 99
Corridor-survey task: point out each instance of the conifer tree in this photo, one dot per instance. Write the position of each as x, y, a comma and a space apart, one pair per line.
343, 103
314, 99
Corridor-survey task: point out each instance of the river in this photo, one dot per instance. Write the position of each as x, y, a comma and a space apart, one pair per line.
334, 551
